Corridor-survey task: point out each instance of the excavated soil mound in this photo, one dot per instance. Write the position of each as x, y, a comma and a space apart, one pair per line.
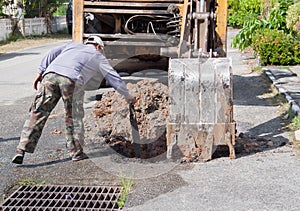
113, 120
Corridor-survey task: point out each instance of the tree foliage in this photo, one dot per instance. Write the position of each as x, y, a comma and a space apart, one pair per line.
36, 8
42, 8
1, 5
242, 11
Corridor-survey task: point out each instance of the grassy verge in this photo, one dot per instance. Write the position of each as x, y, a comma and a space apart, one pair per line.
17, 42
294, 126
256, 68
291, 121
276, 99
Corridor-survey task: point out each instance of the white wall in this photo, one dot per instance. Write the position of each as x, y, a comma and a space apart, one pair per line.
33, 26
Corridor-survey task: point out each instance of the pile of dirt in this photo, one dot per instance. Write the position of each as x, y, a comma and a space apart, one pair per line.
113, 121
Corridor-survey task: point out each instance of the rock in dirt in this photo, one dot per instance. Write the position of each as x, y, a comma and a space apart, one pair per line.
113, 122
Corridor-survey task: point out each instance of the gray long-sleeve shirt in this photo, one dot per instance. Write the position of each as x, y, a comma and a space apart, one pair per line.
82, 63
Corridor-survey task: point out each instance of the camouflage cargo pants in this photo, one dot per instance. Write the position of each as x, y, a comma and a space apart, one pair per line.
54, 87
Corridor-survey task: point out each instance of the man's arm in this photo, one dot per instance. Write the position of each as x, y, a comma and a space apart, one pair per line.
37, 79
114, 79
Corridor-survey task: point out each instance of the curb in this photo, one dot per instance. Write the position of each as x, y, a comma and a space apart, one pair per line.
281, 90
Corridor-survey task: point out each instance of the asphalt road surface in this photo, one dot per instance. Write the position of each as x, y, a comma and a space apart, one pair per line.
18, 71
260, 179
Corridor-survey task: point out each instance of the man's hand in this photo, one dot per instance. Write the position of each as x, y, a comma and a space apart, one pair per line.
37, 79
133, 101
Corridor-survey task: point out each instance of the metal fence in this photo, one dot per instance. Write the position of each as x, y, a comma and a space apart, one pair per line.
33, 26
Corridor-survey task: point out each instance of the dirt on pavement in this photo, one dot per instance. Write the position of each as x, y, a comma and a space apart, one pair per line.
261, 138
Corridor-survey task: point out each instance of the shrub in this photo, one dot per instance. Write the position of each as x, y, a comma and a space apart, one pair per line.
276, 48
275, 20
293, 17
242, 11
244, 38
277, 17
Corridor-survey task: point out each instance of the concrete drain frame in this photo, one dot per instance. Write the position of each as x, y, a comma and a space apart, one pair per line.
38, 198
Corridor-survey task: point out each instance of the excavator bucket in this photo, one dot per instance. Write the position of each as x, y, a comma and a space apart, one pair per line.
200, 108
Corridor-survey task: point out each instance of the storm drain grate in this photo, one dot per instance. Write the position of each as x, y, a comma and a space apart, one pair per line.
37, 198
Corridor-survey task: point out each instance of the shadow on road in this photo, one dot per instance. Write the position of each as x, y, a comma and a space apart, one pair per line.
48, 163
252, 95
12, 55
9, 139
248, 89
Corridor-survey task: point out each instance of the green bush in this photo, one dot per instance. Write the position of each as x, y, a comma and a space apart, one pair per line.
38, 8
277, 17
1, 5
242, 11
244, 38
276, 20
293, 17
276, 47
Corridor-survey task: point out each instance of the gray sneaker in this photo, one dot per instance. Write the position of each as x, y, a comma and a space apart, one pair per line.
18, 158
79, 157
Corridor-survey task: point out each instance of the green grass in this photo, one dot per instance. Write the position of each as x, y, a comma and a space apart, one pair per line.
11, 38
17, 37
127, 184
257, 68
30, 181
295, 124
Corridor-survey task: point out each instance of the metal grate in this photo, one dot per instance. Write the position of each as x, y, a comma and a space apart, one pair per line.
37, 198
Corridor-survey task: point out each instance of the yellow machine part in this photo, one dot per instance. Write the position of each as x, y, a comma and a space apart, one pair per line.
221, 28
